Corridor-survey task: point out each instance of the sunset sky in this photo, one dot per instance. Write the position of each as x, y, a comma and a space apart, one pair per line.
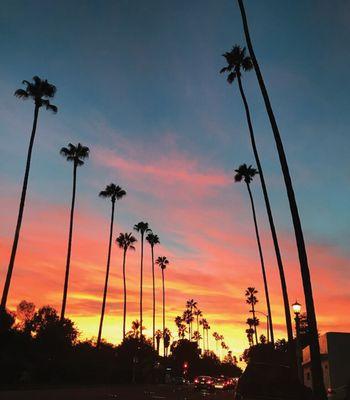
138, 82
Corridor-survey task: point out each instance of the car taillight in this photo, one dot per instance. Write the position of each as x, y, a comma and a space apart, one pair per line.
330, 391
209, 381
196, 380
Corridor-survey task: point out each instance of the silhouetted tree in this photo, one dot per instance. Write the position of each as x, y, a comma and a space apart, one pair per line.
191, 305
162, 262
238, 61
153, 239
76, 155
316, 366
142, 228
114, 193
247, 174
40, 91
187, 317
181, 327
125, 241
252, 300
136, 330
158, 336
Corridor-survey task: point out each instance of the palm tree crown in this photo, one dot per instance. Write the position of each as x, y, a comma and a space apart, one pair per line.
250, 294
113, 192
126, 241
246, 173
76, 153
152, 239
162, 262
236, 61
40, 91
142, 227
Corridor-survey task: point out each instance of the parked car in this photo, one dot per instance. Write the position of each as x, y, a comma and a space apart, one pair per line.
340, 393
204, 382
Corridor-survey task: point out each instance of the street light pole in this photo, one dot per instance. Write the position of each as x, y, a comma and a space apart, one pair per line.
297, 308
267, 323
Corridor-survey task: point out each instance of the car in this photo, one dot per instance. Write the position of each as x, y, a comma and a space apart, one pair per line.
223, 382
339, 393
204, 382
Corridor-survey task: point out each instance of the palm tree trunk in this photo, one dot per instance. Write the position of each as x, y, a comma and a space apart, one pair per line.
203, 339
316, 366
267, 296
124, 290
271, 222
163, 309
20, 213
154, 296
255, 329
141, 286
106, 279
65, 289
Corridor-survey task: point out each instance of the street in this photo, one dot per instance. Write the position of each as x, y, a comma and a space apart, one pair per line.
117, 392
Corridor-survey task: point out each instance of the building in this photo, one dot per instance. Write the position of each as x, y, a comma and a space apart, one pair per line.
335, 357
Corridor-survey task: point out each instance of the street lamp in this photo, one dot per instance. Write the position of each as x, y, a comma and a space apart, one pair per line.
297, 309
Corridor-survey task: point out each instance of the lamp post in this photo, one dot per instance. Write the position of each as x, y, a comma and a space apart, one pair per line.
267, 323
297, 308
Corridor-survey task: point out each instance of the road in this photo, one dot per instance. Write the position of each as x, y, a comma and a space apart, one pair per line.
144, 392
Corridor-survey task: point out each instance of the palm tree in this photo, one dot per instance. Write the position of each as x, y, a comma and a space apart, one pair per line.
40, 91
115, 193
204, 323
135, 329
76, 155
238, 61
179, 322
187, 317
252, 300
166, 338
163, 262
198, 313
191, 305
316, 366
196, 336
142, 228
126, 242
153, 239
158, 335
216, 336
247, 174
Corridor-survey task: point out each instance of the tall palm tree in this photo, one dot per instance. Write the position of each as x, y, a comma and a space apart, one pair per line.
198, 313
238, 61
162, 262
191, 305
153, 239
142, 228
316, 366
40, 91
114, 193
247, 174
251, 299
126, 242
187, 317
158, 335
76, 155
204, 323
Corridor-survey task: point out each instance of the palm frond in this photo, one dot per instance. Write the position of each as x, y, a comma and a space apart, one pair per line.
21, 94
